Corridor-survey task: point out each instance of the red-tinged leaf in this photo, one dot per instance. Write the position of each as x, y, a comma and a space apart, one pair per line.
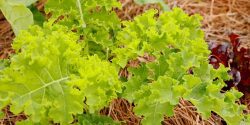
219, 54
238, 59
214, 61
234, 38
241, 59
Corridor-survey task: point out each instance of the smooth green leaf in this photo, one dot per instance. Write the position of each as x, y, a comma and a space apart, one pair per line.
24, 2
18, 15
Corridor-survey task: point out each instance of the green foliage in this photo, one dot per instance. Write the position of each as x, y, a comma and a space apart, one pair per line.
176, 41
49, 72
38, 76
92, 19
37, 15
17, 13
66, 70
74, 11
93, 119
24, 2
4, 63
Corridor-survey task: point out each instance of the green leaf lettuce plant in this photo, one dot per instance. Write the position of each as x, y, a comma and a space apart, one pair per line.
66, 71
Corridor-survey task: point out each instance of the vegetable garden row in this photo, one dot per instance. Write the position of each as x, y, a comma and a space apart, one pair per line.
73, 60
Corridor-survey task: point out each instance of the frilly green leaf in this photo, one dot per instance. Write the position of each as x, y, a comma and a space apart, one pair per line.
49, 80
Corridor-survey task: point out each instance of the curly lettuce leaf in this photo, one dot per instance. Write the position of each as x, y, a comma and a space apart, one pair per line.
74, 10
49, 80
180, 68
38, 77
94, 20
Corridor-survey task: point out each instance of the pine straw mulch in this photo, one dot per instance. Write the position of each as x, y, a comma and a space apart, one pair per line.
6, 37
184, 114
221, 17
10, 118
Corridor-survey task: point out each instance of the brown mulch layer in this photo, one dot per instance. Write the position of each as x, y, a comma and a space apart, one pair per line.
10, 118
6, 37
184, 114
130, 9
121, 110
